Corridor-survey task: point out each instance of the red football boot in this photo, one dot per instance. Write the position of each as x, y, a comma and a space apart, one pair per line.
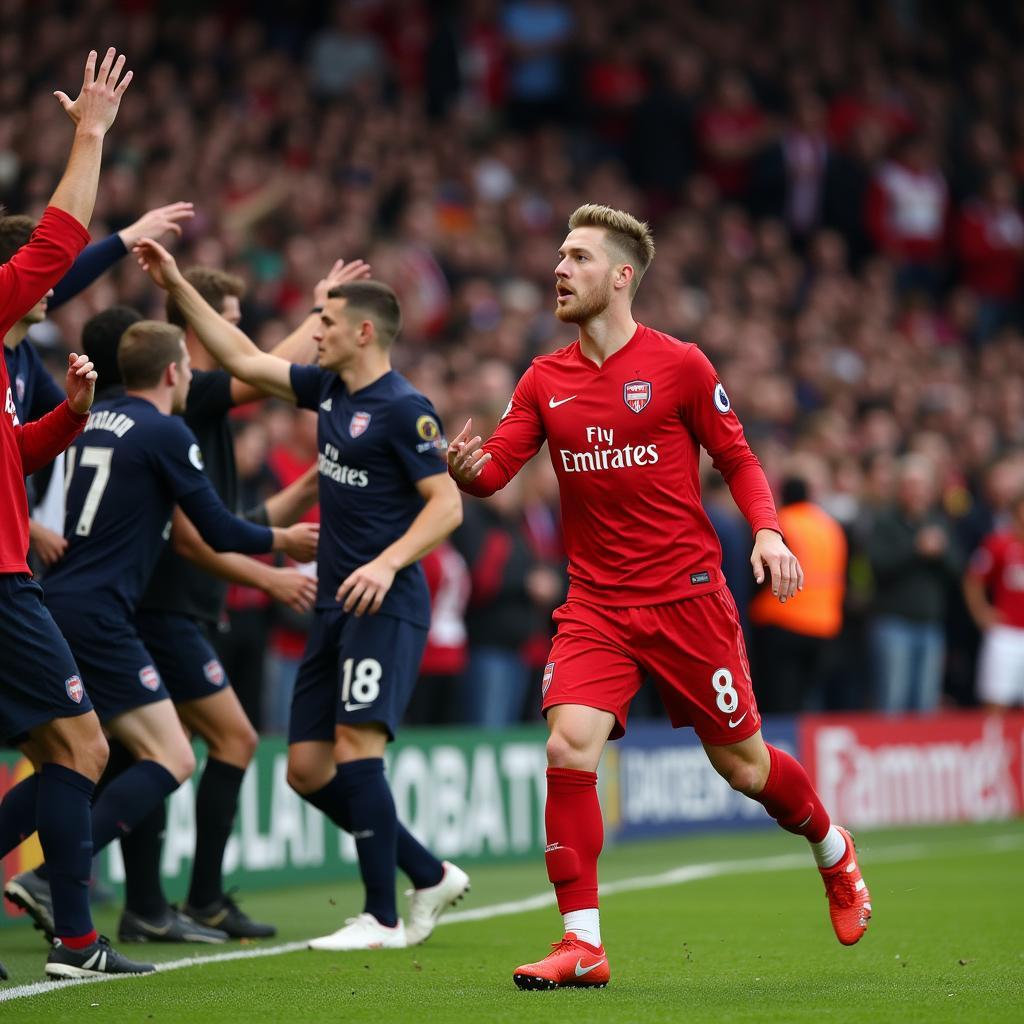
570, 964
849, 902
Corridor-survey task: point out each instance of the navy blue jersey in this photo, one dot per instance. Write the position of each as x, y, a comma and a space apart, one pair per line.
125, 472
34, 391
374, 447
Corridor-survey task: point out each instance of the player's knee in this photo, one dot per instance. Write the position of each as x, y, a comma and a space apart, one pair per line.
180, 762
91, 756
237, 746
743, 776
304, 778
565, 750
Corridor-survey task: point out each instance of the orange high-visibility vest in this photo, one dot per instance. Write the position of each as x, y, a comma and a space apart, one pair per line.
819, 544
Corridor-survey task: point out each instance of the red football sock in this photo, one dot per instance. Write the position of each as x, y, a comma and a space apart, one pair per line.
790, 798
575, 835
79, 941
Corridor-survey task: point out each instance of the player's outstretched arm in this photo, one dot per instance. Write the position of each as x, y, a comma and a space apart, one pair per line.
286, 585
299, 346
289, 505
225, 342
770, 551
93, 113
366, 587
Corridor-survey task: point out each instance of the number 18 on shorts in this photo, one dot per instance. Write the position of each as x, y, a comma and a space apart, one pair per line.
354, 670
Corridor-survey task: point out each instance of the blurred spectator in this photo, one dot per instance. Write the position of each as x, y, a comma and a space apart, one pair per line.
536, 35
908, 207
437, 697
990, 247
994, 590
915, 562
793, 643
502, 613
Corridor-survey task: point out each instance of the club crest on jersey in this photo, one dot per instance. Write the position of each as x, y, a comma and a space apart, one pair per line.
722, 403
76, 691
214, 672
549, 674
636, 394
358, 424
150, 678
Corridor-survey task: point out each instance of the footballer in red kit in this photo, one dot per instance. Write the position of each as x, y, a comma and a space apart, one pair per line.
625, 411
994, 592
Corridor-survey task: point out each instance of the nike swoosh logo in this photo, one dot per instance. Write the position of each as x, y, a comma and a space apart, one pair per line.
581, 970
552, 404
732, 724
355, 707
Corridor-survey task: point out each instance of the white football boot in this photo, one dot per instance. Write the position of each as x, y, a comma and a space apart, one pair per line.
427, 905
362, 932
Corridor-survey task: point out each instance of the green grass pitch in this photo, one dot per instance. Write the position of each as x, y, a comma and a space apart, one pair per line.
946, 944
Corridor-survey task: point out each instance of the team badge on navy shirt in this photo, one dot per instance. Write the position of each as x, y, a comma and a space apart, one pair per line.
19, 385
636, 394
358, 424
75, 688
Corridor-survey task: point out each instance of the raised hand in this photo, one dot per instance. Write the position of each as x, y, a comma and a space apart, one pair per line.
97, 104
465, 458
157, 222
80, 383
156, 261
340, 273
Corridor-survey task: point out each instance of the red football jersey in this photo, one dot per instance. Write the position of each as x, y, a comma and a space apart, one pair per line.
624, 439
999, 563
32, 271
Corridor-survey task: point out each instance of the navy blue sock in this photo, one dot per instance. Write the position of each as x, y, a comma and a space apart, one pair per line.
18, 814
141, 849
422, 867
371, 811
64, 819
216, 806
129, 799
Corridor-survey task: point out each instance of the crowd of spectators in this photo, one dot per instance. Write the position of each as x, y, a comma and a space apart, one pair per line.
835, 191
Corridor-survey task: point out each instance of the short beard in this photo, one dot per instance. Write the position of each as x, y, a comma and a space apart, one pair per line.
586, 309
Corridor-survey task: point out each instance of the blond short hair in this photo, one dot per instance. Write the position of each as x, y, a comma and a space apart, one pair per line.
629, 237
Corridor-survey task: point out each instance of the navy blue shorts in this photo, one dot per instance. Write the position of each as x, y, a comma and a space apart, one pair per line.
187, 662
39, 680
355, 669
119, 672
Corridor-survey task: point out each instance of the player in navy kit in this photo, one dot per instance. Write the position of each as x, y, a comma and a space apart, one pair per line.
385, 501
133, 462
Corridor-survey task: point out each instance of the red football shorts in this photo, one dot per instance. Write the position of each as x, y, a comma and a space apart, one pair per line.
693, 650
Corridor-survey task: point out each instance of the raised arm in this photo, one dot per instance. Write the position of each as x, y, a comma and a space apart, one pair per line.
93, 113
96, 259
299, 346
225, 342
294, 501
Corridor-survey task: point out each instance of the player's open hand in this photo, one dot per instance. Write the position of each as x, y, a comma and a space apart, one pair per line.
786, 575
340, 273
157, 222
293, 588
80, 383
96, 107
298, 541
364, 590
465, 458
156, 261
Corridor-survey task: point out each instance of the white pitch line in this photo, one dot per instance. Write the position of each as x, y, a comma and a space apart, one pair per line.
674, 876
